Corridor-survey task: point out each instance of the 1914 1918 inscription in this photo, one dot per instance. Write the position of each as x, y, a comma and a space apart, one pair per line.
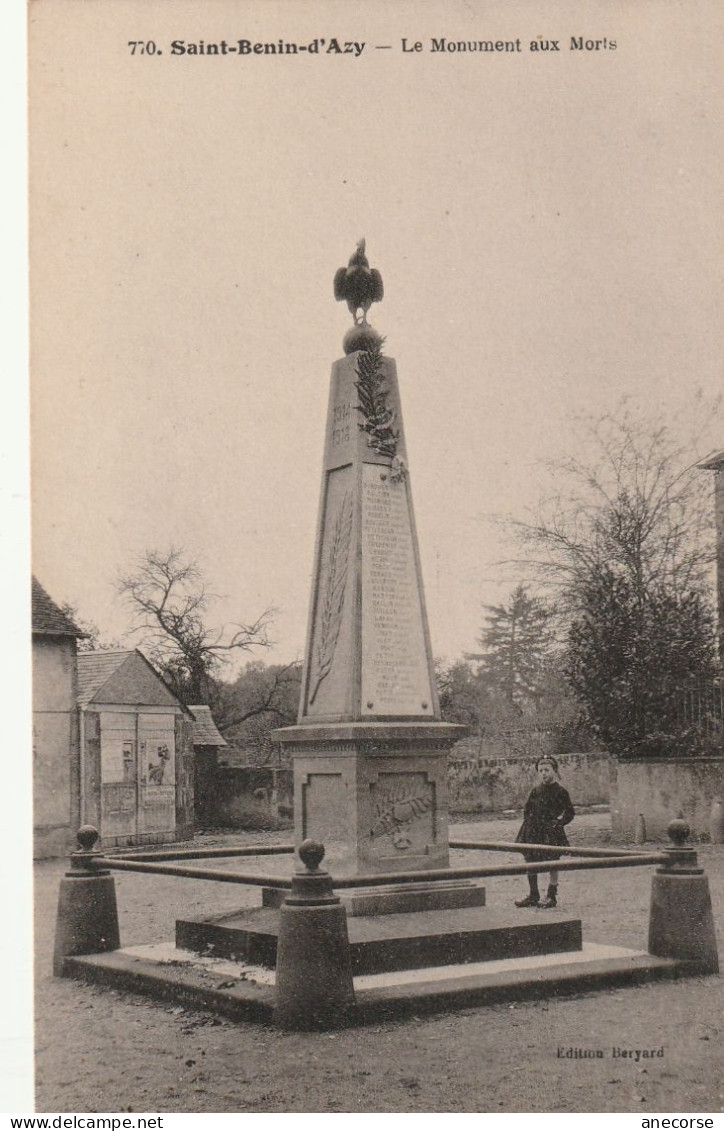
395, 679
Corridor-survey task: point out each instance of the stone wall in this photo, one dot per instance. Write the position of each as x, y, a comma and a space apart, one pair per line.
245, 797
262, 797
485, 784
662, 789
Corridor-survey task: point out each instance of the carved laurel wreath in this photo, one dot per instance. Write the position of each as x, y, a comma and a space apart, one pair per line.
334, 590
379, 419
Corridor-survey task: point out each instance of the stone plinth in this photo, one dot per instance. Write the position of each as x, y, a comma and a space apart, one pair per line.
395, 942
398, 899
374, 794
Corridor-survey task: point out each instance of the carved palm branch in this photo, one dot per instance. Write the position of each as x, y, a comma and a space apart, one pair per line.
334, 590
378, 419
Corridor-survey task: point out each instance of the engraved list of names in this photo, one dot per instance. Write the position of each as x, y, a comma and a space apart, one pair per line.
395, 678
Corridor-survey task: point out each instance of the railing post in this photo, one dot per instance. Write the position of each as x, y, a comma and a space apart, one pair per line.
681, 924
87, 920
314, 976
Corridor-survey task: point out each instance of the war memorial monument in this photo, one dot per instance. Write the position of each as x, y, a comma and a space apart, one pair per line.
374, 921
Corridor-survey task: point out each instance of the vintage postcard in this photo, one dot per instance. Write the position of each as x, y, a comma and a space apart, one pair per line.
502, 223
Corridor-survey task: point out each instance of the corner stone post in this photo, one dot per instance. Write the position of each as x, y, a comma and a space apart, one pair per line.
87, 920
681, 923
313, 975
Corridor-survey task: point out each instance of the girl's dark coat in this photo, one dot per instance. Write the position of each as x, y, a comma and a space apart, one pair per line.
547, 810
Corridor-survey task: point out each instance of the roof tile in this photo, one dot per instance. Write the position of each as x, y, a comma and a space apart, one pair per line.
47, 617
95, 669
205, 732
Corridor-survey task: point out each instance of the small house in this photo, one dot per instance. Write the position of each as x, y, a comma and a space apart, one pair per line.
136, 752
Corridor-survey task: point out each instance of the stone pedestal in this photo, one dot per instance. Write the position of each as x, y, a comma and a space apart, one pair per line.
681, 922
87, 917
314, 988
375, 794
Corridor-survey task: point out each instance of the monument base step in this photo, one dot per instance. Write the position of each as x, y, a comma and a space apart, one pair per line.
394, 942
395, 899
163, 972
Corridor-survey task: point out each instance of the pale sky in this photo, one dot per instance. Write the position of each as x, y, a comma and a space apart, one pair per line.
548, 228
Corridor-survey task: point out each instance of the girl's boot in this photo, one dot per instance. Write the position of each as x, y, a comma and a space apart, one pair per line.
533, 899
550, 899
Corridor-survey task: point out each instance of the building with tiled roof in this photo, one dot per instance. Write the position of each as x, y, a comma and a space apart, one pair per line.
137, 752
122, 677
205, 732
95, 669
207, 743
47, 618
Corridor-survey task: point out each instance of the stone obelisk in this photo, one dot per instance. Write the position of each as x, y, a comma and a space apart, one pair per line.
369, 748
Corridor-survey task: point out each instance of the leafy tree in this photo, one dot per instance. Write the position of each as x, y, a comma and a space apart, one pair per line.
467, 696
515, 645
260, 699
626, 541
628, 660
460, 693
169, 599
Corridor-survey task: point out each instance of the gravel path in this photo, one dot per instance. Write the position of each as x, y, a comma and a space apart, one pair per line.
99, 1050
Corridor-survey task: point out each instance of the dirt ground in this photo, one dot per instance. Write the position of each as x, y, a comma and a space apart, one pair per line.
102, 1051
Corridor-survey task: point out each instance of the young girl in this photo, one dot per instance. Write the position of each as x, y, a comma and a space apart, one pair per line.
547, 810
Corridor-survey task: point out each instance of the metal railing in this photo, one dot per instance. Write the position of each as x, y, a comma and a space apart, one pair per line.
319, 991
256, 879
584, 859
207, 853
517, 846
700, 707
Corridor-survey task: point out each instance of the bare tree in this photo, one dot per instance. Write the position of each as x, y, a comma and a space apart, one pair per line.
94, 639
260, 690
626, 540
633, 503
169, 598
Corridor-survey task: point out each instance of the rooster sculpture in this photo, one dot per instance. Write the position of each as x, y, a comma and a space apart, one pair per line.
359, 285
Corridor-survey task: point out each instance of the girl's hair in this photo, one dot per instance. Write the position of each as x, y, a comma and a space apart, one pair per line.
549, 759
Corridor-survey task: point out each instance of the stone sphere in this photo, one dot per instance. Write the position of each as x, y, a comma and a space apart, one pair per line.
311, 853
678, 831
86, 836
360, 338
